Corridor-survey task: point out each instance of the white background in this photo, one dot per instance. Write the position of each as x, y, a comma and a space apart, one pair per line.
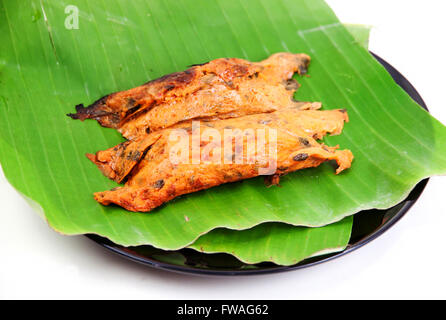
409, 261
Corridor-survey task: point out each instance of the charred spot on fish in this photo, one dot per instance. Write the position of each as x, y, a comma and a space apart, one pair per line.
113, 118
230, 84
343, 110
80, 113
303, 68
171, 191
176, 78
98, 111
130, 102
196, 183
89, 112
254, 75
121, 147
169, 87
101, 101
272, 180
204, 143
134, 155
159, 184
185, 77
300, 157
304, 142
147, 130
132, 110
303, 65
291, 85
145, 152
138, 112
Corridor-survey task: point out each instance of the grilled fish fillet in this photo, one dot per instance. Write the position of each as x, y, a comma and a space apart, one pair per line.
156, 179
223, 88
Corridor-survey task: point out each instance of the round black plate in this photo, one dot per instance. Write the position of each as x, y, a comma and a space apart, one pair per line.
367, 225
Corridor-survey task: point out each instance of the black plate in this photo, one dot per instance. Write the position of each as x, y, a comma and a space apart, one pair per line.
367, 226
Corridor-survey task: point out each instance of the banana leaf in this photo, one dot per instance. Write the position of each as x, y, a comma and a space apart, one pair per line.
48, 65
280, 243
359, 32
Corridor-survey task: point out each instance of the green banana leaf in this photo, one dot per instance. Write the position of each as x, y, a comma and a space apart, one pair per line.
47, 68
280, 243
360, 32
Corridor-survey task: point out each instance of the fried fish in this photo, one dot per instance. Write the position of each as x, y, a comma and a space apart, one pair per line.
220, 89
154, 178
248, 99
